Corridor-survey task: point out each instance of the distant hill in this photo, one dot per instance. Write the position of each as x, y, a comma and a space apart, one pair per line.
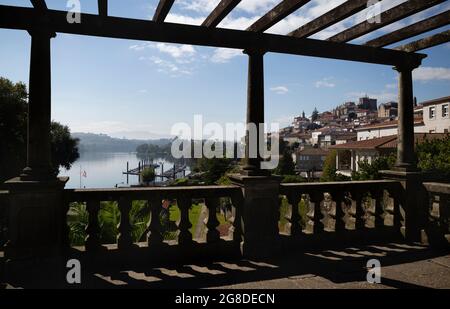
104, 143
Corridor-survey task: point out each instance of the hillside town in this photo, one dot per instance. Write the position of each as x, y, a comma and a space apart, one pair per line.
358, 131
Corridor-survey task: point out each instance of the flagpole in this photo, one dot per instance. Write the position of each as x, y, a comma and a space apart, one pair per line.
80, 176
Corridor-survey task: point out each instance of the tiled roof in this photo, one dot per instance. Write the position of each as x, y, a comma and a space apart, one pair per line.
388, 124
313, 152
436, 101
387, 142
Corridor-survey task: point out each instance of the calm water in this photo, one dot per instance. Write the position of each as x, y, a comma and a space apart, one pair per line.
104, 170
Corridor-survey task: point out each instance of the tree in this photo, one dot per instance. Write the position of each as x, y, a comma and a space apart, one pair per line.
434, 156
330, 171
148, 175
315, 115
13, 133
371, 171
286, 166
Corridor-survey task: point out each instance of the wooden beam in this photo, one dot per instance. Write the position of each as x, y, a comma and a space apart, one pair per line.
282, 10
397, 13
162, 10
423, 26
428, 42
220, 12
39, 4
103, 8
332, 17
136, 29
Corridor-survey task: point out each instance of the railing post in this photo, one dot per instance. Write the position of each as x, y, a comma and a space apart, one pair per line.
213, 234
155, 236
93, 227
124, 239
338, 197
294, 200
185, 236
260, 214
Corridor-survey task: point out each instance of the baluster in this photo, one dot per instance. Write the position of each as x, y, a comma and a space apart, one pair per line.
360, 221
379, 212
444, 214
124, 240
294, 200
315, 215
155, 236
185, 236
65, 229
394, 216
238, 204
213, 235
93, 227
339, 215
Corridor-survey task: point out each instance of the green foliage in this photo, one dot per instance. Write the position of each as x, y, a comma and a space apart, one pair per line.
64, 147
213, 169
434, 156
148, 175
13, 128
371, 171
293, 179
13, 133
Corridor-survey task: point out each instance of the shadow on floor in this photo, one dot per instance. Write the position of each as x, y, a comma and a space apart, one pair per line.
338, 266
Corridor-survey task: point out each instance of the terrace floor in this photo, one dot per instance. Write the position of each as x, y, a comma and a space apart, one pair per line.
403, 266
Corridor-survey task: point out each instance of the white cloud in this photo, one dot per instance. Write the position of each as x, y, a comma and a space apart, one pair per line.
280, 89
176, 51
224, 55
425, 74
167, 67
325, 83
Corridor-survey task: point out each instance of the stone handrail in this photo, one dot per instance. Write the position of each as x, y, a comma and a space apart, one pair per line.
363, 205
154, 196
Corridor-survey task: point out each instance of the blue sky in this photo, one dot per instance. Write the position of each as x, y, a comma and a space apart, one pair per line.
139, 90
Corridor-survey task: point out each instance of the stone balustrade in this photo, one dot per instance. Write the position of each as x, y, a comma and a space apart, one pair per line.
184, 197
344, 208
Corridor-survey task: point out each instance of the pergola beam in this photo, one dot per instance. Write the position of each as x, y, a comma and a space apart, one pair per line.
220, 12
332, 17
162, 10
423, 26
397, 13
428, 42
282, 10
103, 7
135, 29
39, 4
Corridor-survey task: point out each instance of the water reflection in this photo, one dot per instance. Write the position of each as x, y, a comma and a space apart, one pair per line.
105, 170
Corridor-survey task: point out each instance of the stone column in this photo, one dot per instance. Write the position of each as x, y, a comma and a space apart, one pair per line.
255, 112
39, 108
406, 160
260, 190
413, 196
36, 214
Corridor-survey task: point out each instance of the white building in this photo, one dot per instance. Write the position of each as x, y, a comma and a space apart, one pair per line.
435, 119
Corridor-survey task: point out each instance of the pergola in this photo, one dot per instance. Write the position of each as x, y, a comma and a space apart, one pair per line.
43, 24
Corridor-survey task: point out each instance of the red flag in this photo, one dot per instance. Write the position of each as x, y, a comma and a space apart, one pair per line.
84, 174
